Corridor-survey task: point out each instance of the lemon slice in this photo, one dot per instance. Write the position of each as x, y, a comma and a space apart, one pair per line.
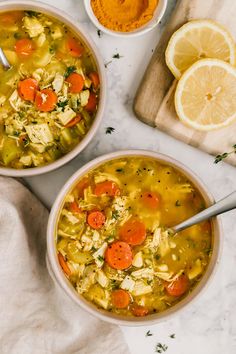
205, 97
196, 40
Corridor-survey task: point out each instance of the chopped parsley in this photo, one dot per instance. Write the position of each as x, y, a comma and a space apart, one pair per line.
160, 348
177, 203
17, 35
15, 133
99, 33
110, 130
69, 70
115, 215
157, 256
100, 258
51, 50
149, 334
32, 13
62, 104
172, 336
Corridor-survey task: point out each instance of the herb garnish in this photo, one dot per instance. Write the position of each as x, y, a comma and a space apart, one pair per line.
110, 130
99, 33
62, 104
149, 334
115, 214
160, 348
223, 156
119, 170
32, 13
117, 56
157, 256
100, 258
17, 35
69, 71
172, 336
177, 203
51, 50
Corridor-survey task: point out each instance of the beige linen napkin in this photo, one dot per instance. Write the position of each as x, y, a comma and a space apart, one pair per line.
36, 317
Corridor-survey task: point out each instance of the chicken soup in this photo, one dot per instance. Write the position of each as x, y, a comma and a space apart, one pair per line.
113, 241
49, 96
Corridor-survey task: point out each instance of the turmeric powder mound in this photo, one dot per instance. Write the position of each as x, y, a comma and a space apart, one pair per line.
124, 15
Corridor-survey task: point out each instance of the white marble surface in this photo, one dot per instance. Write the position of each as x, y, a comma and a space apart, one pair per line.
209, 326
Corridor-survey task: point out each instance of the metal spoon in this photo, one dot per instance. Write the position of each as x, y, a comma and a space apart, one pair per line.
4, 61
226, 204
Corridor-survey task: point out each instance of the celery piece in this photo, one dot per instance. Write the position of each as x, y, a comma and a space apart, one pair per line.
10, 151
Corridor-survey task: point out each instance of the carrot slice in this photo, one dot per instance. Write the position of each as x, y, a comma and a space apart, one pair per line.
45, 100
150, 200
178, 287
133, 232
92, 103
64, 264
95, 79
27, 89
119, 255
9, 18
139, 310
76, 82
96, 219
107, 187
81, 186
120, 298
24, 47
74, 208
74, 47
74, 121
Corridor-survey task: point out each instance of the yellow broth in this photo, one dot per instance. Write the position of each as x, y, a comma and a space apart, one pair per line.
164, 268
36, 126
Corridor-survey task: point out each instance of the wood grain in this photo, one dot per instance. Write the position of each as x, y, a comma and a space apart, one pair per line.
154, 103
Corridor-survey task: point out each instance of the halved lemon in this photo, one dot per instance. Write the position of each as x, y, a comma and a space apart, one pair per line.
196, 40
205, 97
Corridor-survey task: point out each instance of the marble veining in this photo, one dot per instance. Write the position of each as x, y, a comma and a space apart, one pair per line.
208, 326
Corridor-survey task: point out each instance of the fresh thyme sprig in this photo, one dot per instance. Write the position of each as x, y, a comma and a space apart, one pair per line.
223, 156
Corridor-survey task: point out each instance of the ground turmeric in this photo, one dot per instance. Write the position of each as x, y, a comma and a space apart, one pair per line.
124, 15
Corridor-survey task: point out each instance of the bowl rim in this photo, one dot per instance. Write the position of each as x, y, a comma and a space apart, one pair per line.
104, 315
64, 17
158, 15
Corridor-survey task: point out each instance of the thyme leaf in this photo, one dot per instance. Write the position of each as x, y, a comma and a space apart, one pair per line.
149, 334
110, 130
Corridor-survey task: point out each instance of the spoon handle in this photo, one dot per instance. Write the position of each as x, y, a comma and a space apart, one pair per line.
4, 60
223, 205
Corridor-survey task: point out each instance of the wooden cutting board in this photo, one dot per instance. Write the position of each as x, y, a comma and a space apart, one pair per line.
154, 102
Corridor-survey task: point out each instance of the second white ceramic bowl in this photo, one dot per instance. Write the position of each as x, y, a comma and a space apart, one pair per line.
65, 284
81, 33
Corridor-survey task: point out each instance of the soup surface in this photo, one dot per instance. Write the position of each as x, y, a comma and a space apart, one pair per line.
112, 237
48, 99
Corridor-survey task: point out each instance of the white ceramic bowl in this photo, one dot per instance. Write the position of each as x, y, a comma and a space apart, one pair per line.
64, 283
158, 14
80, 31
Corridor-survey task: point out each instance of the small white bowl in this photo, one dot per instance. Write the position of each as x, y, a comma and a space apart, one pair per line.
82, 33
58, 275
158, 14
